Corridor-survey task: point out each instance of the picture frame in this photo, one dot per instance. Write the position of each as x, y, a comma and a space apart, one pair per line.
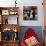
13, 12
9, 34
5, 12
13, 20
10, 19
30, 13
6, 34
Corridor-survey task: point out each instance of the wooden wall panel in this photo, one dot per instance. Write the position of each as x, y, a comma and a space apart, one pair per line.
11, 26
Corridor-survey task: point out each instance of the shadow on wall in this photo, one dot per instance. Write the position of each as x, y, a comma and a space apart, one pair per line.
37, 29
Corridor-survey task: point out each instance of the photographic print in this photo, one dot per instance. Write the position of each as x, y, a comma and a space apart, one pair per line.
10, 19
30, 13
5, 12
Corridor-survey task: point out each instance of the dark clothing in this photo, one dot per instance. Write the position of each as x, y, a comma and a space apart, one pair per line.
33, 14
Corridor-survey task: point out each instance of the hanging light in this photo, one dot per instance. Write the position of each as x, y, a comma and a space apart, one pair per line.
15, 3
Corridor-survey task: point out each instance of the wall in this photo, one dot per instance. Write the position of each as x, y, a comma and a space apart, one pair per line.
37, 3
22, 3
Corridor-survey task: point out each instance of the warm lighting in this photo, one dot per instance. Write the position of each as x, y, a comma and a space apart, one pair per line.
15, 30
12, 10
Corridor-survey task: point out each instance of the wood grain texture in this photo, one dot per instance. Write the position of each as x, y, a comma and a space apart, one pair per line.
10, 26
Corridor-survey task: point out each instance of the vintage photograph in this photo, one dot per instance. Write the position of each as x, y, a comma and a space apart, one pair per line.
30, 13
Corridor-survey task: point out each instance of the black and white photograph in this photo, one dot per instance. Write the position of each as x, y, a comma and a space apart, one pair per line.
30, 13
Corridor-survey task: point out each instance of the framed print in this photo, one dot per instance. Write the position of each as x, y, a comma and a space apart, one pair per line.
9, 34
6, 34
5, 12
10, 19
30, 13
13, 19
13, 12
